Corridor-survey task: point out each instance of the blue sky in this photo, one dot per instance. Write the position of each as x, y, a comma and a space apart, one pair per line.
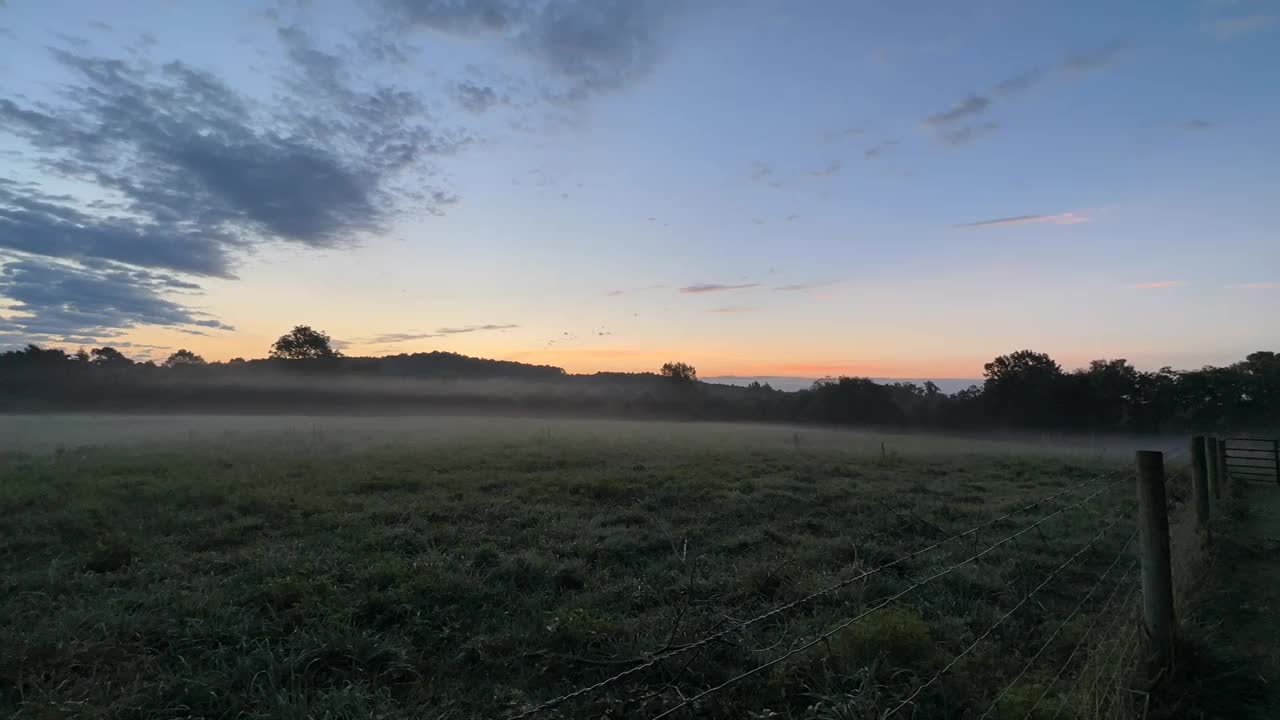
759, 188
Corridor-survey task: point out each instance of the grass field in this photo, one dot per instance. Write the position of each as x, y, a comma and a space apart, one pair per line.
459, 568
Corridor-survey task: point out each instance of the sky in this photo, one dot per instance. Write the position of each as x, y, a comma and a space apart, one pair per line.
756, 187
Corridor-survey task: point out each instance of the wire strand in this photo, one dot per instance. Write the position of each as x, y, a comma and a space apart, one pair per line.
763, 666
1057, 631
977, 641
1110, 627
737, 627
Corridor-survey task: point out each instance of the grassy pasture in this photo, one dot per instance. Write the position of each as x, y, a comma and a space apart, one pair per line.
472, 567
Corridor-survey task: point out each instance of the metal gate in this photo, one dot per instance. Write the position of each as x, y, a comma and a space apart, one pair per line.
1253, 458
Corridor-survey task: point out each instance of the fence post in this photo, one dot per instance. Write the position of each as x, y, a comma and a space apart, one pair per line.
1224, 473
1211, 465
1153, 544
1200, 486
1275, 455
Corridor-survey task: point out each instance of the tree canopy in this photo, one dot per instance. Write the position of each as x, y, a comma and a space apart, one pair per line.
683, 372
304, 343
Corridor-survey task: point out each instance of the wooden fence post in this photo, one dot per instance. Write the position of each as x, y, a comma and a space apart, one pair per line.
1211, 465
1153, 544
1224, 473
1200, 487
1275, 454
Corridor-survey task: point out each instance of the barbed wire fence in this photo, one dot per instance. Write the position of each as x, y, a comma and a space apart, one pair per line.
1100, 639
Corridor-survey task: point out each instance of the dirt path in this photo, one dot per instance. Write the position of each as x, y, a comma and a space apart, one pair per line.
1234, 642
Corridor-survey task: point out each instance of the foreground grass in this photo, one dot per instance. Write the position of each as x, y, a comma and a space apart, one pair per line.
298, 576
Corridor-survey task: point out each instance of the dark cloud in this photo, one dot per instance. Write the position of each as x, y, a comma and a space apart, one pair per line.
189, 175
461, 17
198, 178
714, 287
54, 298
966, 134
590, 46
1019, 83
1197, 125
440, 332
831, 169
476, 98
33, 222
1094, 59
972, 105
878, 150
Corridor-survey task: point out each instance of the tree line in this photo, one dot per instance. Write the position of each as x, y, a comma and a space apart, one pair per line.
1023, 390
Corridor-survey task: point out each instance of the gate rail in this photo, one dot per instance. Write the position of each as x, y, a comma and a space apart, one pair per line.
1252, 458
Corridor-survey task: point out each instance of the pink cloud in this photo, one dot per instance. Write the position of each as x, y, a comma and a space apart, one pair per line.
1159, 284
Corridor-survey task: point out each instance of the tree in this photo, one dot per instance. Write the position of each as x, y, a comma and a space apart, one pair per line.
183, 358
82, 356
109, 357
1023, 388
303, 343
682, 372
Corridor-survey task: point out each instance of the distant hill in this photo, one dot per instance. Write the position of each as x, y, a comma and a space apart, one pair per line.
790, 384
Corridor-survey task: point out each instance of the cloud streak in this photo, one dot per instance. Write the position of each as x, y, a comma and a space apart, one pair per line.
1066, 218
972, 105
1157, 285
388, 338
1234, 27
1094, 59
55, 298
714, 287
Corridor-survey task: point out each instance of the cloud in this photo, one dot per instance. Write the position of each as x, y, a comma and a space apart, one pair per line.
56, 298
1197, 125
965, 134
1233, 27
798, 287
194, 172
841, 134
1019, 83
714, 287
1099, 57
761, 171
1257, 286
878, 150
831, 169
589, 46
1066, 218
733, 309
188, 175
476, 98
461, 17
1158, 284
972, 105
439, 332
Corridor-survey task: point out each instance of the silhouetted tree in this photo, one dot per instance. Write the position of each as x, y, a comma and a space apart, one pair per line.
82, 356
303, 343
183, 358
1023, 388
109, 357
683, 372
